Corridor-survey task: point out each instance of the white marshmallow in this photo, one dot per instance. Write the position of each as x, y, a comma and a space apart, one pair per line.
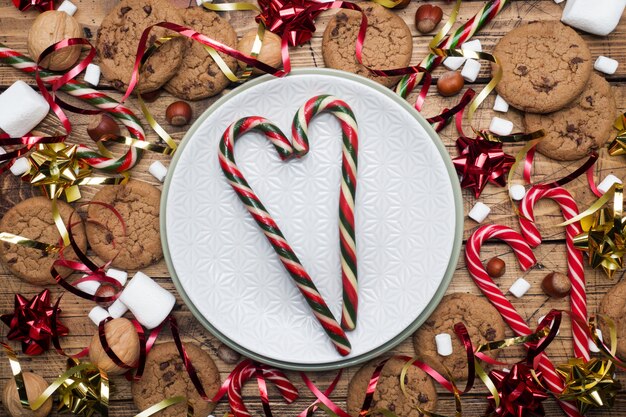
453, 63
444, 344
158, 170
68, 7
473, 45
471, 70
519, 287
479, 212
21, 109
559, 1
500, 126
500, 105
20, 167
97, 314
117, 309
92, 75
592, 346
119, 276
148, 301
608, 182
90, 287
599, 17
517, 192
606, 65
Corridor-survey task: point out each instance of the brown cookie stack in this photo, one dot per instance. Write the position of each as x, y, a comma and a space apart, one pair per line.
185, 69
547, 72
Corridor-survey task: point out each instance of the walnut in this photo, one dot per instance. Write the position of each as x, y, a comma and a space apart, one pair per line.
122, 339
270, 50
49, 28
35, 385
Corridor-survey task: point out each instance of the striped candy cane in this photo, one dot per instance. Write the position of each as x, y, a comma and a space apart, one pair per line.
350, 149
575, 268
267, 224
96, 99
526, 259
287, 390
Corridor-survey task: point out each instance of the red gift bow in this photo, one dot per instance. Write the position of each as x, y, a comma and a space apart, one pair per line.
31, 323
41, 5
292, 18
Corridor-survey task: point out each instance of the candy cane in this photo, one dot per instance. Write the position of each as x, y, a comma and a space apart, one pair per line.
350, 149
575, 268
96, 99
288, 391
267, 224
526, 259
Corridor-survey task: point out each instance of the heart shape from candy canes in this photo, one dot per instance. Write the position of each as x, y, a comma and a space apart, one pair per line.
286, 254
575, 268
526, 259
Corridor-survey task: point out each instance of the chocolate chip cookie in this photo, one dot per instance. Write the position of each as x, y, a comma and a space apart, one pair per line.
545, 65
138, 204
613, 306
165, 376
483, 323
388, 43
199, 76
579, 128
32, 218
388, 394
118, 38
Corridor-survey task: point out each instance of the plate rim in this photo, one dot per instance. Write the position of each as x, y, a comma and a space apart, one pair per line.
441, 289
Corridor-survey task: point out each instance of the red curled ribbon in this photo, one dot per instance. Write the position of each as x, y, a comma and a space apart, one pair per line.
41, 5
33, 322
293, 19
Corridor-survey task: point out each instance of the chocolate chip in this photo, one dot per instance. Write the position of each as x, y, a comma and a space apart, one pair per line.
430, 322
406, 379
546, 85
522, 70
334, 32
117, 84
109, 237
12, 261
167, 377
423, 398
571, 128
147, 9
125, 10
87, 32
490, 334
392, 407
178, 366
150, 69
152, 39
107, 51
576, 60
589, 100
164, 365
341, 17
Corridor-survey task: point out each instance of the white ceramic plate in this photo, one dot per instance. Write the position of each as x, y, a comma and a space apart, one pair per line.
408, 222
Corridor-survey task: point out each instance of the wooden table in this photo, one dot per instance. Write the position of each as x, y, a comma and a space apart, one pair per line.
551, 254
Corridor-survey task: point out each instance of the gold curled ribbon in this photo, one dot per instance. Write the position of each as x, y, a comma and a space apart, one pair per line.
604, 232
618, 145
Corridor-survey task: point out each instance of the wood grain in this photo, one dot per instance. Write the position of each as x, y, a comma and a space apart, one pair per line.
551, 254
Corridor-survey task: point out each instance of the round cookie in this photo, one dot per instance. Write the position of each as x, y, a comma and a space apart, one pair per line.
388, 394
613, 305
199, 76
32, 218
483, 323
582, 126
388, 43
545, 65
138, 204
118, 39
165, 376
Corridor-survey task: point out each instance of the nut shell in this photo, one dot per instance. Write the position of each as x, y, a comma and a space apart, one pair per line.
122, 339
35, 385
556, 285
427, 17
270, 50
49, 28
496, 267
178, 113
450, 83
100, 125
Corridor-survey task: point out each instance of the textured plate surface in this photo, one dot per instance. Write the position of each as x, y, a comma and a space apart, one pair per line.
408, 217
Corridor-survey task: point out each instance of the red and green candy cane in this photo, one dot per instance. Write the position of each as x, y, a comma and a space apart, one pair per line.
267, 224
97, 99
349, 161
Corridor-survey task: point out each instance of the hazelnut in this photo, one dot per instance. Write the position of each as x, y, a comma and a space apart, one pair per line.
105, 290
496, 267
270, 50
49, 28
35, 386
122, 339
151, 96
427, 17
100, 125
556, 285
402, 4
178, 113
450, 83
228, 355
